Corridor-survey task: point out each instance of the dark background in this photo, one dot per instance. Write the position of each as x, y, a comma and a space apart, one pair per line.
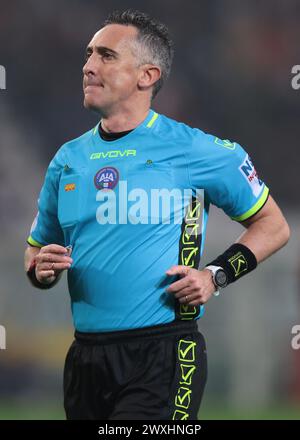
231, 77
231, 73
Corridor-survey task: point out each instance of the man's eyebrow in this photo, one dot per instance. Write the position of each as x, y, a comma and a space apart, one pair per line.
101, 49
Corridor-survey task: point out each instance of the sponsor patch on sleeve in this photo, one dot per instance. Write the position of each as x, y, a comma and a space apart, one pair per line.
249, 173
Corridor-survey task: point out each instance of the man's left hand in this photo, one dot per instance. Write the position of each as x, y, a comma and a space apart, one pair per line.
195, 287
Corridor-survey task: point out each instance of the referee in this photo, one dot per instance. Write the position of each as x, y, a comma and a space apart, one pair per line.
124, 209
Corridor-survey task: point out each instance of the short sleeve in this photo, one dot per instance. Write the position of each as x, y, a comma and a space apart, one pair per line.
46, 228
228, 176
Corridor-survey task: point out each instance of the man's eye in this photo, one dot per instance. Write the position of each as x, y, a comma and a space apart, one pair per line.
107, 56
87, 56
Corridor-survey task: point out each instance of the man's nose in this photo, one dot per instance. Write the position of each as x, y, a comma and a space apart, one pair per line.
90, 66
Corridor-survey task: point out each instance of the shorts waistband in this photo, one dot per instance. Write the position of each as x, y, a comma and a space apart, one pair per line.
172, 328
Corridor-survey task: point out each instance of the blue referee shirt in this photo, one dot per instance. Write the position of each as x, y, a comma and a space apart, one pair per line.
133, 207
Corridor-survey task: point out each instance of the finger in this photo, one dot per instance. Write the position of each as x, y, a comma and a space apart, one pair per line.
183, 292
54, 248
202, 299
178, 285
49, 257
45, 274
178, 270
54, 266
191, 300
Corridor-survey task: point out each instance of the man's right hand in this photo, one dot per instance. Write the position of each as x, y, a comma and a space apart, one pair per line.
50, 262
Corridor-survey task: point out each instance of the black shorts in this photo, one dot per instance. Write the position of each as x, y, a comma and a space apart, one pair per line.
154, 373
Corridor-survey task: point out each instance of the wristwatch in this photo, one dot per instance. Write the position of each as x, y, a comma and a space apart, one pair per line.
219, 277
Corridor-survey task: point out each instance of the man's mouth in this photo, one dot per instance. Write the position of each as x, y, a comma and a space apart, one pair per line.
90, 85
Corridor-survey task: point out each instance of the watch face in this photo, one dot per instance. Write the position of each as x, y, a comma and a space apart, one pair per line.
221, 278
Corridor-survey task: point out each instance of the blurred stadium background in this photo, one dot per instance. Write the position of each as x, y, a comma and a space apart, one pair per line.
231, 77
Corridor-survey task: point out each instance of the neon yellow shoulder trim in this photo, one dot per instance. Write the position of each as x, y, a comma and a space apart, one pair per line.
254, 208
152, 120
33, 242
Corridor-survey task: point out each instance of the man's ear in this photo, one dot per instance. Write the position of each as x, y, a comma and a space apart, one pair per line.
148, 76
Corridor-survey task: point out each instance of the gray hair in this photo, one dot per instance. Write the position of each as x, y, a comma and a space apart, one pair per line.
153, 43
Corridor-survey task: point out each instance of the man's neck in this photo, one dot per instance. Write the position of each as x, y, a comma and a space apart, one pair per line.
123, 121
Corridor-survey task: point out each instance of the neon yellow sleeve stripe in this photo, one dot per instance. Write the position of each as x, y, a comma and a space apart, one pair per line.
254, 208
152, 120
33, 242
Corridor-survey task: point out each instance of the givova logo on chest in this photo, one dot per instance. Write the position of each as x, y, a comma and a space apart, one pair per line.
112, 154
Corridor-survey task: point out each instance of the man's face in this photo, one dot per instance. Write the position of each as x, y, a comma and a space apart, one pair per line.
110, 75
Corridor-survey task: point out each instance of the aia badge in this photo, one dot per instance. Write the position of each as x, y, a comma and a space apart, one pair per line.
106, 178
